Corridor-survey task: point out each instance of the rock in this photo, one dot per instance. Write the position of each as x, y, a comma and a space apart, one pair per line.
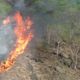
59, 69
67, 62
65, 55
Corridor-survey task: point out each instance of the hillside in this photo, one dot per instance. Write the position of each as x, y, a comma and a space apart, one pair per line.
47, 67
54, 52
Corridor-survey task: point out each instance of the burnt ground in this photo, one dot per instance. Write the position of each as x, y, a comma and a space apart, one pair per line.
43, 66
31, 66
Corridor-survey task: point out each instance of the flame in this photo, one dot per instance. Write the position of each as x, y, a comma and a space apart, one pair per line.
23, 39
6, 21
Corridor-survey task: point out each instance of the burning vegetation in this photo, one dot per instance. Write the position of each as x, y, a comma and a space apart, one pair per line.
23, 39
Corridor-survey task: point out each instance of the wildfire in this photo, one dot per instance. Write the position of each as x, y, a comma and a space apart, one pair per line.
6, 21
24, 36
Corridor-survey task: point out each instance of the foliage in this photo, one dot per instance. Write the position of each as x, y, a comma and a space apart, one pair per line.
4, 8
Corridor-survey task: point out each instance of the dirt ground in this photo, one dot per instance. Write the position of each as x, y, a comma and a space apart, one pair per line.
31, 66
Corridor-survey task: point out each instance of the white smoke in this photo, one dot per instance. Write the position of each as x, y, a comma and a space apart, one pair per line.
6, 40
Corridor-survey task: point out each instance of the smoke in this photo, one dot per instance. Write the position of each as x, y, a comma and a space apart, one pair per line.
7, 37
6, 40
19, 5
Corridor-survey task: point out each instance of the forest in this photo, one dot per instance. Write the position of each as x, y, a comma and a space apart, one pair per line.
54, 51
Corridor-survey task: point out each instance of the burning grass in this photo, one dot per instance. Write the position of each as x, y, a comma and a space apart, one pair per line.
23, 39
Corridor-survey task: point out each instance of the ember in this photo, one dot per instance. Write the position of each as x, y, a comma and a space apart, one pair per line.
23, 39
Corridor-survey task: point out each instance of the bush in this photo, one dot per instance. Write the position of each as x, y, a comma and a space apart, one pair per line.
4, 8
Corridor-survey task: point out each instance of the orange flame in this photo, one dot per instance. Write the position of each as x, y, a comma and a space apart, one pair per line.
23, 39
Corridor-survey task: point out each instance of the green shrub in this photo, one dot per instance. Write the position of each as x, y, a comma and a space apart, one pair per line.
4, 8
